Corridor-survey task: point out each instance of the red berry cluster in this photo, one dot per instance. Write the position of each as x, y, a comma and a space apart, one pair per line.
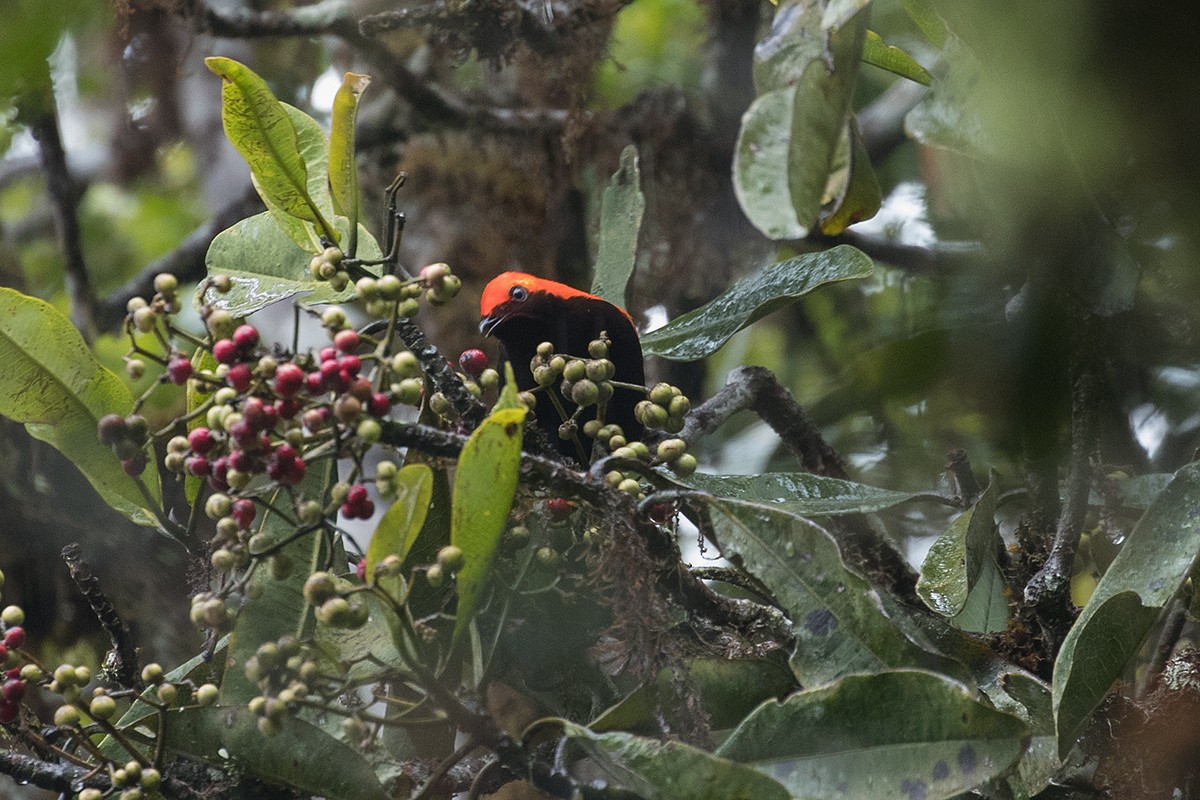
13, 688
357, 504
127, 436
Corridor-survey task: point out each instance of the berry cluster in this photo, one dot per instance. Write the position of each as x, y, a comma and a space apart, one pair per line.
12, 620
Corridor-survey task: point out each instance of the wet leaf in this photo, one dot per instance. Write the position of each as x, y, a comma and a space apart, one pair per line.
656, 770
401, 523
842, 623
801, 493
795, 39
702, 332
301, 755
986, 609
263, 133
839, 12
621, 212
888, 736
948, 117
1106, 638
955, 559
343, 166
928, 20
760, 177
53, 385
880, 54
860, 199
484, 487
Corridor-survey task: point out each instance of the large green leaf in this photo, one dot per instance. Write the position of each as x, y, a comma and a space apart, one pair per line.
314, 151
621, 212
1104, 642
53, 384
842, 624
801, 493
860, 198
885, 56
888, 736
760, 177
701, 332
343, 167
796, 38
301, 755
265, 266
657, 770
401, 523
262, 131
956, 558
949, 118
484, 487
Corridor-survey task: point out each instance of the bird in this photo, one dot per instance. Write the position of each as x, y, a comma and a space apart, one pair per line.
522, 311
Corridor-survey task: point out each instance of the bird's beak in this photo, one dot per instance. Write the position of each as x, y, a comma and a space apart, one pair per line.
487, 323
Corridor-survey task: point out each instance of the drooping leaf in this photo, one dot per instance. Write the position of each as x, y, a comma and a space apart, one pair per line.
401, 523
261, 130
986, 609
1104, 641
801, 493
880, 54
760, 177
861, 197
795, 39
484, 487
621, 212
343, 167
888, 736
842, 624
301, 755
956, 558
701, 332
265, 266
656, 770
53, 384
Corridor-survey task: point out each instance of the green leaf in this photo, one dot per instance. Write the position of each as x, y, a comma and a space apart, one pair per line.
1104, 642
760, 177
621, 212
266, 266
796, 39
839, 12
702, 332
484, 487
949, 118
343, 167
657, 770
301, 756
878, 53
956, 558
889, 736
53, 384
401, 523
728, 689
1140, 491
986, 609
842, 624
801, 493
860, 199
262, 131
314, 150
928, 20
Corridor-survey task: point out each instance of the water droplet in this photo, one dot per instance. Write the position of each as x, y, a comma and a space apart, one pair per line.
790, 549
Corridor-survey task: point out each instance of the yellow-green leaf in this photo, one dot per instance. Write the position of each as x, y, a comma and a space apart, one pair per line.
861, 197
401, 523
879, 53
343, 169
484, 487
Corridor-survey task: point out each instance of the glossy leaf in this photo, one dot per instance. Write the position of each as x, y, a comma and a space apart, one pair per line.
263, 133
656, 770
801, 493
343, 166
760, 177
842, 623
986, 609
266, 266
956, 558
401, 523
485, 484
888, 736
795, 39
301, 755
879, 53
53, 384
621, 211
729, 689
314, 150
860, 198
1105, 640
702, 332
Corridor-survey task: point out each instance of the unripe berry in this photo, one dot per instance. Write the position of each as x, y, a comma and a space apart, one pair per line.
369, 431
629, 486
685, 465
598, 348
575, 370
319, 588
144, 319
585, 392
207, 694
152, 673
135, 368
671, 449
547, 557
102, 707
66, 716
135, 303
222, 560
451, 558
222, 283
335, 611
167, 692
435, 575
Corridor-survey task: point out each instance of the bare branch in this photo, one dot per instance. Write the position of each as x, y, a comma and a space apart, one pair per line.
64, 778
121, 662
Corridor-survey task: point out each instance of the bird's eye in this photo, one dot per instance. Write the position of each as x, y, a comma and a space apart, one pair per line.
518, 293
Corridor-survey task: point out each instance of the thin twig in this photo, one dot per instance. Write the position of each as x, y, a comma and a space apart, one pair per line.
121, 662
64, 778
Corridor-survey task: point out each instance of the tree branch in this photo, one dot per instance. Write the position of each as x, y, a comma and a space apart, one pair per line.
63, 778
121, 662
325, 17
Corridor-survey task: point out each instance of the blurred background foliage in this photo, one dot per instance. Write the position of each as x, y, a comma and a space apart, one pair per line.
1045, 184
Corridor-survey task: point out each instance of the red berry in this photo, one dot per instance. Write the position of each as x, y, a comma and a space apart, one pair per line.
661, 513
288, 379
361, 569
379, 405
356, 495
288, 407
3, 654
473, 362
366, 509
8, 711
201, 441
245, 337
220, 469
314, 382
361, 389
179, 369
242, 432
252, 412
13, 690
294, 471
327, 354
111, 428
346, 341
15, 672
225, 351
350, 364
239, 377
197, 465
243, 512
276, 469
14, 638
136, 465
242, 461
285, 452
559, 508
